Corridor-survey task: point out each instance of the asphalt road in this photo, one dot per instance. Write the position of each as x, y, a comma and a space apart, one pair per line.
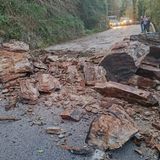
98, 43
27, 140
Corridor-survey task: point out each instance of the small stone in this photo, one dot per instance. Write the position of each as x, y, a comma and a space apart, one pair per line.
53, 58
138, 151
29, 110
5, 91
99, 155
48, 103
54, 130
158, 147
158, 88
40, 151
72, 114
147, 113
156, 125
94, 110
61, 136
138, 136
88, 108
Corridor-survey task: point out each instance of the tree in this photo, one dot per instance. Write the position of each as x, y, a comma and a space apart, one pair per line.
134, 3
148, 8
92, 11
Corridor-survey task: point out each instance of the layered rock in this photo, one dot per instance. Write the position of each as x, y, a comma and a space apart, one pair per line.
16, 46
13, 65
128, 93
29, 93
111, 130
47, 83
94, 74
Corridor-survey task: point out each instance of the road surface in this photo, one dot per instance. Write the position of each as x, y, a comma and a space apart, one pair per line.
27, 140
97, 43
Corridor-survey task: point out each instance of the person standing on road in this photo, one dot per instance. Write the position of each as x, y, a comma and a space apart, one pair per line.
148, 24
142, 24
145, 22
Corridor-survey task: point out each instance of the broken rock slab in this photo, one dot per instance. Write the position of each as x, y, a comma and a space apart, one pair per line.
16, 46
53, 58
54, 130
40, 65
142, 82
13, 65
74, 76
29, 93
149, 71
94, 74
47, 83
128, 93
111, 130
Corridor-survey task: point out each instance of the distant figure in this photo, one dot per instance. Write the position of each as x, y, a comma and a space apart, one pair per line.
145, 22
148, 24
142, 24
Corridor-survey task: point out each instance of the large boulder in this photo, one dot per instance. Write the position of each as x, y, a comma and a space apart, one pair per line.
123, 60
111, 130
13, 65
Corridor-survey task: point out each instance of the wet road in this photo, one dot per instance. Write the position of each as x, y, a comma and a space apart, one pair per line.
98, 43
22, 140
27, 140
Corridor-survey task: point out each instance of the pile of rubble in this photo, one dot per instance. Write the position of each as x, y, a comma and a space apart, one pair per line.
114, 90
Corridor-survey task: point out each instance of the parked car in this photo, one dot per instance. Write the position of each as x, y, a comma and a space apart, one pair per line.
114, 23
125, 21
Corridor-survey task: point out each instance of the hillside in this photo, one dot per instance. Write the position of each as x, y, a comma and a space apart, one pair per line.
41, 22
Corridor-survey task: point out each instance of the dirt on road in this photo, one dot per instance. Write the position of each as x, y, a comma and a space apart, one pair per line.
97, 43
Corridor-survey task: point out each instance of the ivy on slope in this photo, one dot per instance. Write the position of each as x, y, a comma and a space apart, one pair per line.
39, 22
44, 22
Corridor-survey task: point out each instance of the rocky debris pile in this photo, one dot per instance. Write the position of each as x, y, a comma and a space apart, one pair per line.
126, 78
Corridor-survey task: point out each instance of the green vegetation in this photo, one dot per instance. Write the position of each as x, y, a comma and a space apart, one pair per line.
150, 8
37, 22
138, 8
46, 22
94, 13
